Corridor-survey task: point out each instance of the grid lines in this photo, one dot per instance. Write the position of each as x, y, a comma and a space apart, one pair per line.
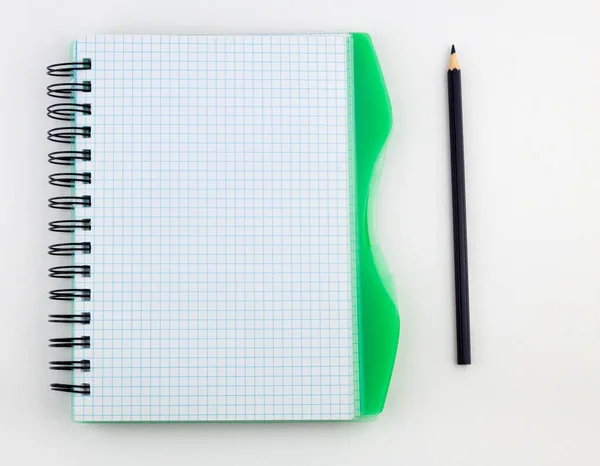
221, 259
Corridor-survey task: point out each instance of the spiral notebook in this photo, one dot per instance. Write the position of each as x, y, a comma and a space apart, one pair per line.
218, 260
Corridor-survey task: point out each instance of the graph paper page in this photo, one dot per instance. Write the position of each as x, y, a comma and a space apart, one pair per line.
221, 265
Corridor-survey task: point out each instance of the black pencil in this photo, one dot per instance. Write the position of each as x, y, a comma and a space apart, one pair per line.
459, 212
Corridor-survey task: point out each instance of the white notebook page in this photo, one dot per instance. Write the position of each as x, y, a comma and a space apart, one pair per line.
221, 248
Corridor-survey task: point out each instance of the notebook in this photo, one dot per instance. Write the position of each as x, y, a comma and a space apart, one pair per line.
214, 195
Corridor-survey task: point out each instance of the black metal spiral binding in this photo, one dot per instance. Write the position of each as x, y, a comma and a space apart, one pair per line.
71, 294
69, 112
71, 342
69, 157
85, 318
68, 180
68, 90
70, 249
69, 202
83, 365
69, 226
70, 271
83, 389
65, 70
68, 134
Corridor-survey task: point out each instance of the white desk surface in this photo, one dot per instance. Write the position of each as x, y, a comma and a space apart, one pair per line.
532, 107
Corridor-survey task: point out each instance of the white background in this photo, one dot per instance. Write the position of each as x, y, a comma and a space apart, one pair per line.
532, 107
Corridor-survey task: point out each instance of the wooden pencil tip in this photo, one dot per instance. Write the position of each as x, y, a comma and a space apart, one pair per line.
453, 62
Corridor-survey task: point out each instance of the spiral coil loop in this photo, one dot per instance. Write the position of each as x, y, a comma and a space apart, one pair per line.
68, 90
70, 111
83, 389
69, 226
85, 318
83, 365
69, 180
69, 202
69, 249
71, 294
65, 70
67, 112
71, 342
68, 134
69, 157
70, 271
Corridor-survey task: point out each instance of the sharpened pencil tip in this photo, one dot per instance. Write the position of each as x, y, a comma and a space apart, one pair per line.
453, 62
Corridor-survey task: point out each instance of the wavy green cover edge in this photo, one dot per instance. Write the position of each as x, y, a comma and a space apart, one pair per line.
378, 319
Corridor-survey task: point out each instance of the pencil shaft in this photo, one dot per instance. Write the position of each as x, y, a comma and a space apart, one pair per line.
459, 215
